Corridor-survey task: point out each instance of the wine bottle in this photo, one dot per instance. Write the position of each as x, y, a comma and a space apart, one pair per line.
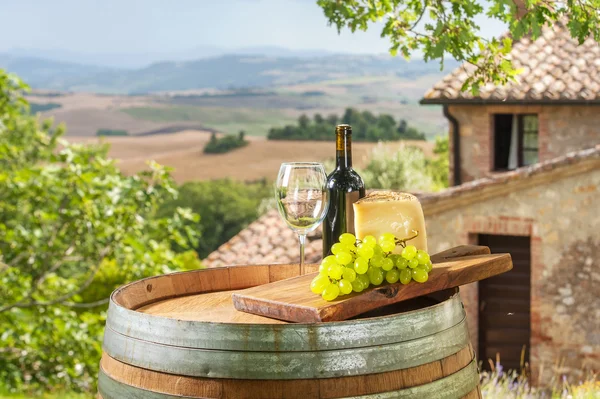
345, 187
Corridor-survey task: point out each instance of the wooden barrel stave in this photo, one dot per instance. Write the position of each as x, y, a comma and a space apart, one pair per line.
452, 377
147, 327
283, 337
285, 365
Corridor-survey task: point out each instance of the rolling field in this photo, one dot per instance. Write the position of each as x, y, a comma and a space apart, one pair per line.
260, 159
253, 110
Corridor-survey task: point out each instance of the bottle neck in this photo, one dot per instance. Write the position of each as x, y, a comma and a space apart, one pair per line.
343, 150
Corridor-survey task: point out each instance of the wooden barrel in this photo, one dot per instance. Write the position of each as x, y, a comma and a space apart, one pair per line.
178, 335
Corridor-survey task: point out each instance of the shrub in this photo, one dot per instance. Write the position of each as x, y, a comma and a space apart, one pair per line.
225, 143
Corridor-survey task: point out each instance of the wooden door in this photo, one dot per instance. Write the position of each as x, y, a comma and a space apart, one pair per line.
505, 305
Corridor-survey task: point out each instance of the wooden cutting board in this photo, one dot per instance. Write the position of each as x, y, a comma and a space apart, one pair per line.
292, 299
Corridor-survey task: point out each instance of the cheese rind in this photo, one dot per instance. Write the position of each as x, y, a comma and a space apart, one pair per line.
390, 212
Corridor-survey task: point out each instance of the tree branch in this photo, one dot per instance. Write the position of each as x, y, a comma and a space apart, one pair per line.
86, 305
24, 304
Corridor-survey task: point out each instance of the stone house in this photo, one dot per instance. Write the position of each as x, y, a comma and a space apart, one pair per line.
525, 163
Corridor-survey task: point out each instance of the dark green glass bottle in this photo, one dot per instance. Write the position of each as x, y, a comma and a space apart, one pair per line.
345, 188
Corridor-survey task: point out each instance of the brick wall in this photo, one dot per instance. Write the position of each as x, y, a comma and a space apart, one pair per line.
562, 129
562, 218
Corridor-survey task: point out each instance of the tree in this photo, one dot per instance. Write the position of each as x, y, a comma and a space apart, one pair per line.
442, 28
226, 207
66, 213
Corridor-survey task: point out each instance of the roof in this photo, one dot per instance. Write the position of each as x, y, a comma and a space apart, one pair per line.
269, 240
266, 240
556, 69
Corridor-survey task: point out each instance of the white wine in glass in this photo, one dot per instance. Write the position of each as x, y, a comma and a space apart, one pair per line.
302, 198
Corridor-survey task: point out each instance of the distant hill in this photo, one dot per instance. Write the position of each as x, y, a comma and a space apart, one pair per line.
223, 72
44, 73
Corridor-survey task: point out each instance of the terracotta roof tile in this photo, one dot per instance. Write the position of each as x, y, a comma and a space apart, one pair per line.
555, 68
269, 240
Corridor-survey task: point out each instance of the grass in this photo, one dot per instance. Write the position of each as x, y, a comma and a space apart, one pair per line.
498, 384
254, 121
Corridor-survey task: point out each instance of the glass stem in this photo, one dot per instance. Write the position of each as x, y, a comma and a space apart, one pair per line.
302, 239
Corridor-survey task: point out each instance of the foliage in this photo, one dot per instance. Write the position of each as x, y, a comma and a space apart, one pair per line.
34, 108
405, 169
439, 166
365, 127
402, 169
225, 144
111, 132
511, 384
226, 207
67, 214
448, 29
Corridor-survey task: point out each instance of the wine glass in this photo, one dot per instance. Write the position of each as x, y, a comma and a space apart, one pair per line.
302, 198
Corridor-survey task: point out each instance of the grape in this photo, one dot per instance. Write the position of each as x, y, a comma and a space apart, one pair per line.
345, 287
336, 271
369, 241
343, 258
365, 251
349, 274
349, 248
329, 260
405, 276
319, 283
422, 257
409, 252
387, 246
331, 292
377, 261
392, 276
375, 275
386, 237
357, 286
361, 265
348, 239
413, 263
401, 263
337, 248
364, 279
387, 264
427, 266
377, 250
419, 275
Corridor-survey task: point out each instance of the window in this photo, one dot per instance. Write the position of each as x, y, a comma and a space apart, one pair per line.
515, 141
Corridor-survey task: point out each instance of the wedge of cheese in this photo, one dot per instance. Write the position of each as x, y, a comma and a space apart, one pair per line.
390, 212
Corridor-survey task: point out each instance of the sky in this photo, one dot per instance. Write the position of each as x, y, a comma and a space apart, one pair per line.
173, 26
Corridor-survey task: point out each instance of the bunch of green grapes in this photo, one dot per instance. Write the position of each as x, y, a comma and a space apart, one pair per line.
357, 264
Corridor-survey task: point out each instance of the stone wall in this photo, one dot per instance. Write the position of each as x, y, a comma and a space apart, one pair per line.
562, 217
562, 129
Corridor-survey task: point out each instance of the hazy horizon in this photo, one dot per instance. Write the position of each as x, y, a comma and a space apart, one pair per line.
138, 32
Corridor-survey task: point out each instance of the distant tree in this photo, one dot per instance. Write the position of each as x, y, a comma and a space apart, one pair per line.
111, 132
226, 206
365, 127
303, 121
225, 144
332, 119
